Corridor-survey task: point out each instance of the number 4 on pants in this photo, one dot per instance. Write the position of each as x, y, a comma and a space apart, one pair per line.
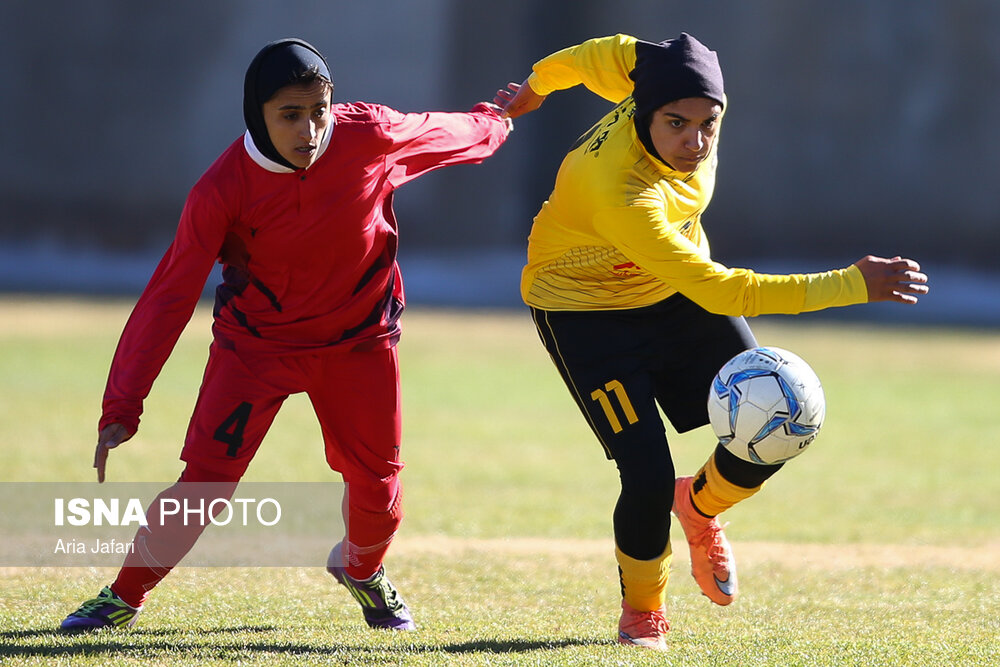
230, 431
601, 396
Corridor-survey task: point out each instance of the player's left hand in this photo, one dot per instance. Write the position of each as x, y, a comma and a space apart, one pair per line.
110, 437
897, 279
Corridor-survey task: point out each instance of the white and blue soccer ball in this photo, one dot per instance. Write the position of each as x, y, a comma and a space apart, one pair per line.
766, 405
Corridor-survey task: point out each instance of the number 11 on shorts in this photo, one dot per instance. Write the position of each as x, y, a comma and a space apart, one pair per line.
601, 396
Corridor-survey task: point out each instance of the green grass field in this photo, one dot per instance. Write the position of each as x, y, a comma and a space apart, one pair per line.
879, 546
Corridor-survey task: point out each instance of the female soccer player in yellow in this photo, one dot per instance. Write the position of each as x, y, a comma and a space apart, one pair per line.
633, 310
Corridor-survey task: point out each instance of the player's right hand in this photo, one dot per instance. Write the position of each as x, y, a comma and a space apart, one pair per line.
110, 437
897, 279
518, 99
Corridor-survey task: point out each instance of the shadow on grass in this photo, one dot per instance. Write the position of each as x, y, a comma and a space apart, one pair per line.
137, 632
512, 646
146, 641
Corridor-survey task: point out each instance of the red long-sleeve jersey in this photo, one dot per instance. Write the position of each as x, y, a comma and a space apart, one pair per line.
309, 256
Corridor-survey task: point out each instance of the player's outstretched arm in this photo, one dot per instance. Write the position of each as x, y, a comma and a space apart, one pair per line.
518, 99
897, 279
110, 437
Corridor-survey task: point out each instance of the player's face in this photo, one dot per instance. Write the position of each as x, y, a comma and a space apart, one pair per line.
684, 131
297, 118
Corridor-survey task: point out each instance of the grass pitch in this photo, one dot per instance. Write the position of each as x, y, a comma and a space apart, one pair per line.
879, 546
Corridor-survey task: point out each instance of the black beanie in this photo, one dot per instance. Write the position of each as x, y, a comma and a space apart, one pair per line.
275, 66
669, 71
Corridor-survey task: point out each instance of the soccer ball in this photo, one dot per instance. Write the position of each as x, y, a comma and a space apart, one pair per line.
766, 405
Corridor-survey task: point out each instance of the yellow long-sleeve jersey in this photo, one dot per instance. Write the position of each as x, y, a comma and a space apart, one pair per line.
623, 230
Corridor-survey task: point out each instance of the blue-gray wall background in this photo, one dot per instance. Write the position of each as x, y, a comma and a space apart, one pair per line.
854, 127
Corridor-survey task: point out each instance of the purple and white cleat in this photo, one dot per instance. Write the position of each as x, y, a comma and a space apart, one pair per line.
381, 603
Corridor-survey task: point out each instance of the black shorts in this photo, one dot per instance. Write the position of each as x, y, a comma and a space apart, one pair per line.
619, 364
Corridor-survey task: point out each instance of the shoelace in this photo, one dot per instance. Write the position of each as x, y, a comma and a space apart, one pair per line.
385, 591
92, 604
658, 622
710, 540
652, 623
390, 595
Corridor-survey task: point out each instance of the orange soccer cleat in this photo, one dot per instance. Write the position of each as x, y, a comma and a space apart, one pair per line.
712, 563
646, 629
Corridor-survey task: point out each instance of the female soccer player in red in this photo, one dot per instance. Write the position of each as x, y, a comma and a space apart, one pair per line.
298, 212
635, 313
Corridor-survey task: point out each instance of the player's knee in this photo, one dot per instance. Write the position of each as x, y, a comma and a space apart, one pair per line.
376, 496
195, 473
650, 482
